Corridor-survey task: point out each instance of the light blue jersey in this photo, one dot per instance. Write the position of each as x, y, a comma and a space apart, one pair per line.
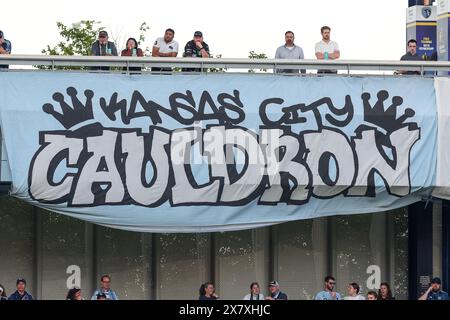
326, 295
110, 294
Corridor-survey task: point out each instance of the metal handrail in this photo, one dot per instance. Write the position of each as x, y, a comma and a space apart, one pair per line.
228, 63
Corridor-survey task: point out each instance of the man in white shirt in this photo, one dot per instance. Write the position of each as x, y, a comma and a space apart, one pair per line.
165, 47
327, 49
353, 292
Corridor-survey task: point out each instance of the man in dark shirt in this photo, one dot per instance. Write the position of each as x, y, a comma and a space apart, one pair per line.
411, 55
196, 48
103, 47
275, 293
20, 293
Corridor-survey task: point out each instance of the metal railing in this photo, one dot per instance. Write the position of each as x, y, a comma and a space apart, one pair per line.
237, 65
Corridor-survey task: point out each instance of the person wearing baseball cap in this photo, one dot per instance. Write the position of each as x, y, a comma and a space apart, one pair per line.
74, 294
196, 48
20, 293
275, 293
434, 292
5, 48
103, 47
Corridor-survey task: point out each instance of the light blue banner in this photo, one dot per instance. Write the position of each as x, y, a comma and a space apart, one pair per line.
216, 152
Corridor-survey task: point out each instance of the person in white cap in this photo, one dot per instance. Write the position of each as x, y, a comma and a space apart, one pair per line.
275, 293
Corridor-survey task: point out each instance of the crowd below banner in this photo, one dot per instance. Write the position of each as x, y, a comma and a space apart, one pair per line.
166, 46
207, 292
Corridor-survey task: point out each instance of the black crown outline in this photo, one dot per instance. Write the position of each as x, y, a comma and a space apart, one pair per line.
71, 116
385, 118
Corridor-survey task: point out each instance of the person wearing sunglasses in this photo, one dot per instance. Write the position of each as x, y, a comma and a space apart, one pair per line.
105, 288
329, 293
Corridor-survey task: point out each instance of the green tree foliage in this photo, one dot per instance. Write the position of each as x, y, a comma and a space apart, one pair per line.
218, 56
142, 35
253, 55
77, 38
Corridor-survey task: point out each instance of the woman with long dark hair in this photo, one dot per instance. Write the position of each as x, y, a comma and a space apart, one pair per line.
385, 293
132, 50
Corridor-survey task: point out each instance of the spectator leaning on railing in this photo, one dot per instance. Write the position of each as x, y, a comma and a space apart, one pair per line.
411, 55
196, 48
103, 47
165, 47
132, 50
289, 51
326, 49
5, 48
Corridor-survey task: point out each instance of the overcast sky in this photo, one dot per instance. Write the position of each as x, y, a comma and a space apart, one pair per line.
364, 29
